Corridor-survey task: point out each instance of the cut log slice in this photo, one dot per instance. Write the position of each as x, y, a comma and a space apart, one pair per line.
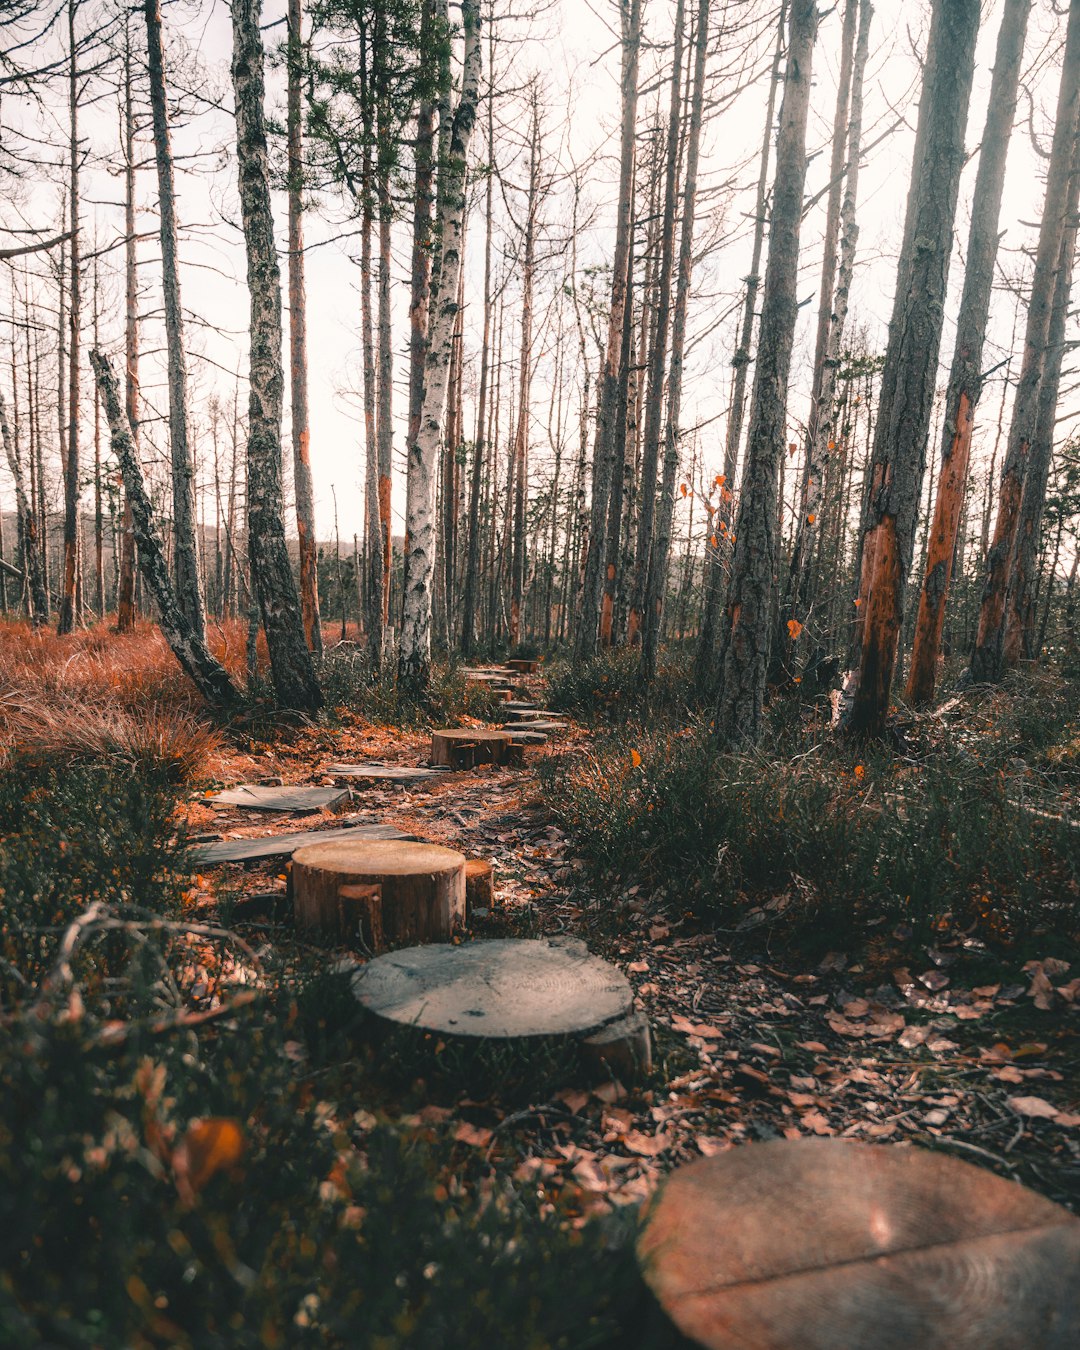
504, 988
422, 887
530, 737
532, 714
285, 845
520, 666
522, 705
483, 747
388, 773
296, 800
834, 1245
547, 727
479, 885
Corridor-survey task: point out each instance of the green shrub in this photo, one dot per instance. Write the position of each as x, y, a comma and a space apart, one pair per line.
350, 683
808, 834
608, 687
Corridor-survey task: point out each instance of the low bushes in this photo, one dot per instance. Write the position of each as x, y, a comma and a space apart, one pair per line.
820, 834
350, 684
608, 687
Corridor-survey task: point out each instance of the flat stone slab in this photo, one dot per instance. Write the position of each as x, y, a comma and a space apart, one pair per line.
285, 845
528, 714
547, 727
523, 737
504, 988
829, 1244
379, 772
293, 799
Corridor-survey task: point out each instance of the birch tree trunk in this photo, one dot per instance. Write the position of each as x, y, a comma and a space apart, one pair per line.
298, 359
987, 657
36, 594
521, 431
659, 554
705, 664
384, 444
607, 411
414, 657
271, 574
185, 537
746, 623
965, 379
909, 375
188, 646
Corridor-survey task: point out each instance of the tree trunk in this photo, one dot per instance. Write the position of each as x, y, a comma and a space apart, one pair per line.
298, 360
746, 625
987, 657
272, 579
607, 411
521, 431
423, 452
70, 576
705, 664
385, 421
188, 646
659, 554
909, 375
36, 595
1019, 637
965, 380
125, 595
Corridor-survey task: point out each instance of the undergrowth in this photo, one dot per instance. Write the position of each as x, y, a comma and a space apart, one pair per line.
608, 689
820, 837
351, 684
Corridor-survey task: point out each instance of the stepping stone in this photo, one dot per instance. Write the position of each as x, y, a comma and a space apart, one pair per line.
403, 892
390, 773
500, 989
284, 845
523, 667
522, 705
540, 725
293, 799
828, 1244
531, 714
530, 737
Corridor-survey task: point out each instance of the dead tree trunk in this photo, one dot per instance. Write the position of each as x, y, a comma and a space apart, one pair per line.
423, 452
705, 664
36, 594
521, 431
965, 380
188, 646
659, 554
70, 575
384, 443
298, 360
909, 375
987, 657
607, 411
1019, 637
125, 591
272, 579
185, 538
746, 624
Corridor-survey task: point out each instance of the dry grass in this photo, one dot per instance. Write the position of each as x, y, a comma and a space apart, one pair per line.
99, 695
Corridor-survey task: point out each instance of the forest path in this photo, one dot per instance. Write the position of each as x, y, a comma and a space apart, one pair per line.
746, 1046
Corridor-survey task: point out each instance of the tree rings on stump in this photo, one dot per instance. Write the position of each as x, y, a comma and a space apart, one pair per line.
816, 1244
421, 888
501, 989
479, 885
464, 747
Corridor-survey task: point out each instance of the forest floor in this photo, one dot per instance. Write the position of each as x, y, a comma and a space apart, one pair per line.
948, 1046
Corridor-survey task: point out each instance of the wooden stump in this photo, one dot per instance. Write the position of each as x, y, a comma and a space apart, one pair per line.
269, 848
502, 989
523, 667
421, 888
377, 772
530, 714
817, 1244
479, 885
294, 800
540, 724
463, 747
623, 1049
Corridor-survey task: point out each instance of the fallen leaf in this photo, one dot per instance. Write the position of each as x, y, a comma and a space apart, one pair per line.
647, 1145
1037, 1108
207, 1147
476, 1135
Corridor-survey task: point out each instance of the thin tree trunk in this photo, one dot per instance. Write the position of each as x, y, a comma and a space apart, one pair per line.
298, 359
385, 421
36, 594
272, 579
125, 597
185, 534
607, 412
705, 664
70, 578
659, 554
521, 433
910, 371
188, 646
987, 657
965, 380
746, 626
423, 451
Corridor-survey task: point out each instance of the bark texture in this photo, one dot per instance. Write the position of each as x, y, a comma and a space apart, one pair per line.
898, 457
272, 579
987, 656
37, 595
746, 621
414, 657
188, 646
965, 379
